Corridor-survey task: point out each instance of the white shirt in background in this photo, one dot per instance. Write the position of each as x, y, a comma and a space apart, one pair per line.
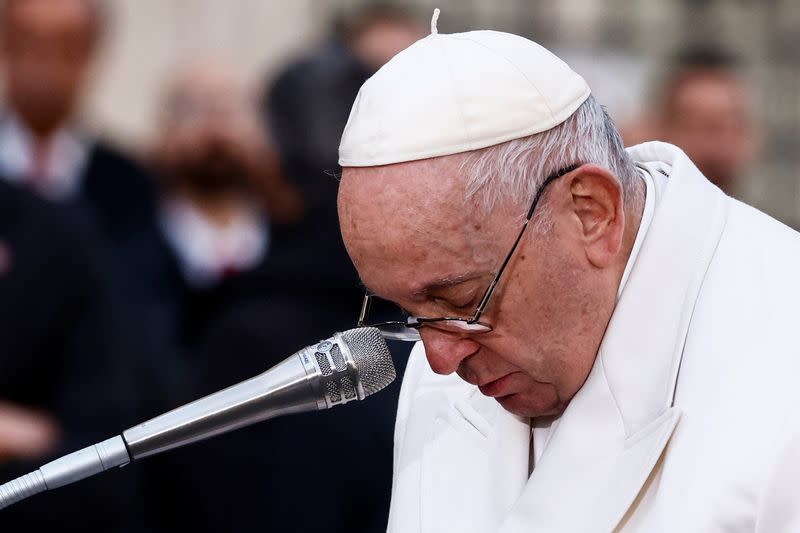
208, 251
55, 171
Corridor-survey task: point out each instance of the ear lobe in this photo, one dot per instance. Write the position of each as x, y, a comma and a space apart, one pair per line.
598, 206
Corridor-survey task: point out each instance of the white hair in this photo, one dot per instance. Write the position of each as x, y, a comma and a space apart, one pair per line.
514, 170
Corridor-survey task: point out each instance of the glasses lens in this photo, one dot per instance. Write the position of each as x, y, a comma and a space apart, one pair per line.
398, 331
395, 323
456, 325
381, 310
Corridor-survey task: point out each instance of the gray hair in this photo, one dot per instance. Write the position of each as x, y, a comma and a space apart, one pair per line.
516, 169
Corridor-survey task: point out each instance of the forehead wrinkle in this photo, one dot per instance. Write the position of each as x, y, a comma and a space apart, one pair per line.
411, 221
421, 199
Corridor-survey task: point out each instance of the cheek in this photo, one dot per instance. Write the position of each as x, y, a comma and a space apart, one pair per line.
540, 314
501, 356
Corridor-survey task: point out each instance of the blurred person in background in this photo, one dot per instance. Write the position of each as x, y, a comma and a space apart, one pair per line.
211, 289
304, 290
46, 53
306, 109
219, 177
220, 188
707, 109
71, 355
63, 374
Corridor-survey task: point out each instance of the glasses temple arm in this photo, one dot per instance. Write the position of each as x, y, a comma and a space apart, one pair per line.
490, 288
364, 309
493, 284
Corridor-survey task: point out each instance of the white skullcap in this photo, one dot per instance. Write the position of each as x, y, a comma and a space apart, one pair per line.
447, 94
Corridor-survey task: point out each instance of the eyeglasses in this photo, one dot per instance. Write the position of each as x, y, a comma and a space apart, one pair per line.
408, 329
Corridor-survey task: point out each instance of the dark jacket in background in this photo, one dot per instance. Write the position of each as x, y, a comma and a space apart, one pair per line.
306, 110
326, 471
104, 366
117, 193
64, 350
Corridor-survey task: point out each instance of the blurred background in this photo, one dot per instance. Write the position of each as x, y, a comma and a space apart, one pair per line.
168, 222
625, 49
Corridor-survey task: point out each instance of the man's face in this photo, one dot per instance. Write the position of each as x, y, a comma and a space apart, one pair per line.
416, 242
210, 137
46, 47
708, 116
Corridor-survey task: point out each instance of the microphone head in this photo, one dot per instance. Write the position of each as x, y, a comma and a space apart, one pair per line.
372, 358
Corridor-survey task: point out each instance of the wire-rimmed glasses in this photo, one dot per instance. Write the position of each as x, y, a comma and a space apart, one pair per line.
408, 329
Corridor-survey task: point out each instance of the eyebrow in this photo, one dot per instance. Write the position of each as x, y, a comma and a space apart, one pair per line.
436, 284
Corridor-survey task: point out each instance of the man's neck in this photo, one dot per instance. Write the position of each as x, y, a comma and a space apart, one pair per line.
42, 133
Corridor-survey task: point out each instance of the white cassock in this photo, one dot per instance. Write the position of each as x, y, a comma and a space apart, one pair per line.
689, 420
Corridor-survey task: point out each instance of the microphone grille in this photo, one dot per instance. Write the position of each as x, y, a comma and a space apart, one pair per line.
372, 357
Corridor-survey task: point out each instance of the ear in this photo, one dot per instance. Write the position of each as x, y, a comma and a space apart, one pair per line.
597, 204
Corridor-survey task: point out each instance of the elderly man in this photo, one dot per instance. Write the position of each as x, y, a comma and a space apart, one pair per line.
607, 339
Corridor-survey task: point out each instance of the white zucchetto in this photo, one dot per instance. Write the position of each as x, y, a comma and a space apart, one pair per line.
447, 94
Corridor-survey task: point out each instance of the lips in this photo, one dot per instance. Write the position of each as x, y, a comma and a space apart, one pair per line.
497, 388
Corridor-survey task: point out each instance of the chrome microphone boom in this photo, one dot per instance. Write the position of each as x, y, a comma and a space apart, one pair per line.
348, 366
333, 372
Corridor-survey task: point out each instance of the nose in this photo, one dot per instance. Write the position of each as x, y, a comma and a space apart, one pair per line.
445, 351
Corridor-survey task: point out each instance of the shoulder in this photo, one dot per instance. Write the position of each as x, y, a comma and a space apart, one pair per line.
21, 208
755, 268
746, 314
748, 222
108, 157
117, 185
737, 382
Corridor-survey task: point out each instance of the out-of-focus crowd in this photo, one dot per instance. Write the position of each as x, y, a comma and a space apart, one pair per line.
129, 287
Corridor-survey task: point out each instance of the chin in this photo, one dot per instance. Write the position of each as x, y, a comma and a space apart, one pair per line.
522, 405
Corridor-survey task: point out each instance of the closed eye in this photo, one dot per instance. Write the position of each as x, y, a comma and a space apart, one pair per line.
463, 303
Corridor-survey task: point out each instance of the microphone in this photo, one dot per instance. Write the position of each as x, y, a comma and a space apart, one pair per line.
348, 366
